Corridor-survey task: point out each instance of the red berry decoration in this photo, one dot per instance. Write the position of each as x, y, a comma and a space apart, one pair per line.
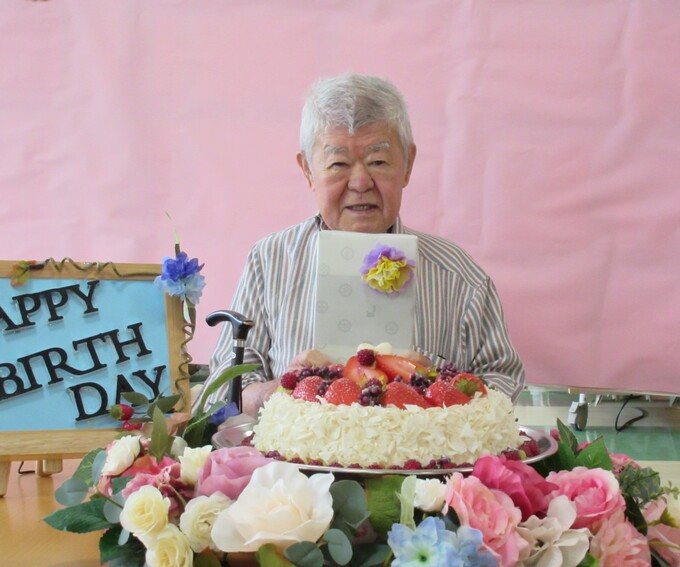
400, 394
366, 357
445, 394
308, 388
289, 380
343, 391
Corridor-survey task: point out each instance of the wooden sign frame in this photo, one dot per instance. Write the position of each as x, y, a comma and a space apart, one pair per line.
54, 445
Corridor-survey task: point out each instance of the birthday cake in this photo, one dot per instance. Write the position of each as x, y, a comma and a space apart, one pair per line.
384, 411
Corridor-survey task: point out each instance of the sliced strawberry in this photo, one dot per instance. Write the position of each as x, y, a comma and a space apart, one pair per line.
394, 365
308, 388
361, 374
469, 384
343, 391
445, 394
401, 394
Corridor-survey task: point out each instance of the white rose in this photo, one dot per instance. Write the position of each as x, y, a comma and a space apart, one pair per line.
178, 447
430, 495
169, 549
192, 462
552, 542
198, 518
145, 513
121, 455
280, 505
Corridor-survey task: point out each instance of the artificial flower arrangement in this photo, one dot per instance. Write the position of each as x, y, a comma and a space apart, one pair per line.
165, 497
165, 502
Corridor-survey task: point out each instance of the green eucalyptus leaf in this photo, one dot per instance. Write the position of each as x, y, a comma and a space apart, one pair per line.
349, 502
135, 398
81, 518
120, 482
97, 466
267, 555
304, 554
84, 470
161, 441
594, 456
113, 508
72, 491
382, 495
339, 546
229, 374
370, 554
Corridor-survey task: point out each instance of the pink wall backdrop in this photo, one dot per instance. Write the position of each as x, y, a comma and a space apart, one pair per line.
548, 146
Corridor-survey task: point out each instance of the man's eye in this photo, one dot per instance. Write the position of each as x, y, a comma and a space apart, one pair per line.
337, 164
379, 162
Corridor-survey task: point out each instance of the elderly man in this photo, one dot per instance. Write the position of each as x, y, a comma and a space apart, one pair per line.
357, 153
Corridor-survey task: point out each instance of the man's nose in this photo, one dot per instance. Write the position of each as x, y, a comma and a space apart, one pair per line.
360, 179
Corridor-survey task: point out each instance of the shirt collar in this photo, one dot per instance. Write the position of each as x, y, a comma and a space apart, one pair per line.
396, 228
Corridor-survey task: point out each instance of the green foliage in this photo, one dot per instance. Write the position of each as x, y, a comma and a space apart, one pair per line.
131, 554
80, 518
349, 505
161, 441
383, 501
84, 470
72, 491
589, 561
228, 374
370, 554
303, 554
267, 555
339, 546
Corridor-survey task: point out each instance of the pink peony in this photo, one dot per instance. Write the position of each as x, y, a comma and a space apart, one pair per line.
489, 511
595, 492
228, 471
665, 540
528, 489
617, 542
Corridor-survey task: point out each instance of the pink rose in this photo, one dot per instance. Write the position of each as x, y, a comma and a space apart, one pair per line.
528, 489
168, 481
595, 492
617, 542
664, 539
228, 471
491, 512
145, 464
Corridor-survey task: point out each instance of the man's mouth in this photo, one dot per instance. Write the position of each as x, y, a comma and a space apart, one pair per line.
361, 207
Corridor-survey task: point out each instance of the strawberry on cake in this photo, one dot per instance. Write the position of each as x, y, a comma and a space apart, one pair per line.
385, 411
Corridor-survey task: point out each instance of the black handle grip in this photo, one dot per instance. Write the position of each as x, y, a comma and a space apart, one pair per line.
240, 327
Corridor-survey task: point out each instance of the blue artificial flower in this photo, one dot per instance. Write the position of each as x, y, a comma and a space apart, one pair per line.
180, 277
468, 542
223, 413
429, 545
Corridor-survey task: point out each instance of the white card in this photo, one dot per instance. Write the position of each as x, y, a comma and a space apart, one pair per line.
348, 311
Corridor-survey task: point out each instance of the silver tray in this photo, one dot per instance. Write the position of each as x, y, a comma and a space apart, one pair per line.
234, 435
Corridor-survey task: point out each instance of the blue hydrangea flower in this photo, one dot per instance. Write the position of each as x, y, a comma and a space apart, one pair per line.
429, 545
181, 277
468, 542
223, 413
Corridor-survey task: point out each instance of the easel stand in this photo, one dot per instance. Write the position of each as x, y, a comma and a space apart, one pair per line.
49, 448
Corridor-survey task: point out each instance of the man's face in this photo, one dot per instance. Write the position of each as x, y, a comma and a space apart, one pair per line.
358, 180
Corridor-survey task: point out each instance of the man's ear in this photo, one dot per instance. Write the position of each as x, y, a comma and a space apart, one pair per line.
409, 165
306, 170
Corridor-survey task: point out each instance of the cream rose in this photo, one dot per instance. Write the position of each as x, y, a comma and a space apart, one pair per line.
430, 495
145, 513
121, 454
198, 518
169, 549
280, 505
192, 461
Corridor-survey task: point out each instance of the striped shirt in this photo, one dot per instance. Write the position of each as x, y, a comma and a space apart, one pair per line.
459, 318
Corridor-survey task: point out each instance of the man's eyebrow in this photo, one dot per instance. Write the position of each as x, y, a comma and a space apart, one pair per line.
330, 150
385, 145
